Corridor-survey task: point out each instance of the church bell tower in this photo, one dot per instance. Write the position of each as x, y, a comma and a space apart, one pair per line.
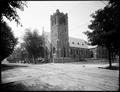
59, 34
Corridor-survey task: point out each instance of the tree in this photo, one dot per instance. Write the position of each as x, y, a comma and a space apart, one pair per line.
8, 9
15, 56
105, 29
19, 54
34, 44
115, 5
8, 41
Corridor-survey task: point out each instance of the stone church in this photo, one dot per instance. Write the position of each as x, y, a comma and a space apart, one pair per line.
59, 42
60, 45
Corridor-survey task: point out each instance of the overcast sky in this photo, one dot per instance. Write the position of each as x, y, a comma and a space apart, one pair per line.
37, 15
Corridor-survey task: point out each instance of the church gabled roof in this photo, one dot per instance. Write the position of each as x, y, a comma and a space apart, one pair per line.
75, 42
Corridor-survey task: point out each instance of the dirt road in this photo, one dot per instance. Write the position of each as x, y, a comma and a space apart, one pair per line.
60, 76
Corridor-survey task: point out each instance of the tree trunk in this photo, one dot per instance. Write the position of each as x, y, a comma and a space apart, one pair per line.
112, 56
32, 59
110, 62
119, 55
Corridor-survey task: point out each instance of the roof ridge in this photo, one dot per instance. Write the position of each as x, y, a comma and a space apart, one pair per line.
77, 38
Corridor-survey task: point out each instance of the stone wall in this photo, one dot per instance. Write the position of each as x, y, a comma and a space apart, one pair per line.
65, 60
79, 52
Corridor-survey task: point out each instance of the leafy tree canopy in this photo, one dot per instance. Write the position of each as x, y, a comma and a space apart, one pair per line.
105, 26
8, 41
8, 9
34, 44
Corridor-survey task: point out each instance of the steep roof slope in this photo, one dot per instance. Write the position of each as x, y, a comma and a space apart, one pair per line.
75, 42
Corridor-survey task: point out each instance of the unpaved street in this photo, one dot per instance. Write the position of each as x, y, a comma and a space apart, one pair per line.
60, 76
